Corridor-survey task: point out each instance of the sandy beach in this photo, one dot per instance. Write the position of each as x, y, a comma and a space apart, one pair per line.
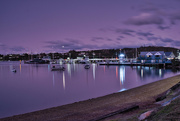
94, 108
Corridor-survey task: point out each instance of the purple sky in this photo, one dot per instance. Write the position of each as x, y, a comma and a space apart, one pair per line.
62, 25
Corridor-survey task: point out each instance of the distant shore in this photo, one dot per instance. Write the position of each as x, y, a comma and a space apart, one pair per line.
94, 108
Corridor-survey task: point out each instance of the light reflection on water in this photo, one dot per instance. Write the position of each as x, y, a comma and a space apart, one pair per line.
36, 87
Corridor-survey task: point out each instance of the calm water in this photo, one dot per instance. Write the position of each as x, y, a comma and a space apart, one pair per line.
36, 87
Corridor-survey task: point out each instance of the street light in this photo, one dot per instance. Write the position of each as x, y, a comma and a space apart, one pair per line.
63, 51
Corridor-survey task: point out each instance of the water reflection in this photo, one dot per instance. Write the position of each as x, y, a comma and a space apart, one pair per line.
160, 72
87, 77
64, 82
145, 72
74, 65
53, 79
94, 71
69, 69
39, 84
49, 67
121, 90
116, 72
121, 74
141, 73
20, 68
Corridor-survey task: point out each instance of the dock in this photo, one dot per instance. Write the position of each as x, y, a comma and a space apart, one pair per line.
137, 64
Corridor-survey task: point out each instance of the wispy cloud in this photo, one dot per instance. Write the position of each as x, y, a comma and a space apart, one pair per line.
123, 31
163, 27
174, 17
67, 44
2, 45
145, 34
166, 40
176, 43
18, 49
145, 19
152, 14
128, 32
95, 39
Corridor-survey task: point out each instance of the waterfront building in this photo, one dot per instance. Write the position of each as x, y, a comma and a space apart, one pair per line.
152, 57
155, 57
169, 55
178, 54
46, 58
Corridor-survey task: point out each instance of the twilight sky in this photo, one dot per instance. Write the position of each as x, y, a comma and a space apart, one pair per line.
62, 25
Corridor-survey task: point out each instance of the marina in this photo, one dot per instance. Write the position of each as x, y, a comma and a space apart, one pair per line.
89, 60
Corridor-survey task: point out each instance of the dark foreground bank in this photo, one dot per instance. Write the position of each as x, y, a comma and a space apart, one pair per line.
98, 107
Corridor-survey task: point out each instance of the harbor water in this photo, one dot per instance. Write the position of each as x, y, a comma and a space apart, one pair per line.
35, 87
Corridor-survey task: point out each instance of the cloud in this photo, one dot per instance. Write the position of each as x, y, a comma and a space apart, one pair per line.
128, 32
15, 49
71, 44
95, 39
151, 37
108, 39
2, 45
166, 40
174, 17
68, 44
124, 31
18, 49
149, 8
163, 27
145, 34
163, 41
141, 38
145, 19
120, 38
63, 44
160, 12
176, 43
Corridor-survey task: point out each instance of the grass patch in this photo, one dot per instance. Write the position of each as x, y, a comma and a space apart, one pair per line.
170, 111
133, 119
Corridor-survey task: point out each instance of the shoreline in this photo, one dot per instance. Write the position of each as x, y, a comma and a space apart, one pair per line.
96, 107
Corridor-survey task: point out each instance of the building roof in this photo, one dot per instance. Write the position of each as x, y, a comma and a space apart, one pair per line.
152, 53
168, 53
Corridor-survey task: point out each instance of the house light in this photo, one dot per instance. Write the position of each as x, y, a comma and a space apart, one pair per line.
121, 55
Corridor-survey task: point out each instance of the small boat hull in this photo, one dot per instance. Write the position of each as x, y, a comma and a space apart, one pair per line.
57, 68
87, 66
13, 70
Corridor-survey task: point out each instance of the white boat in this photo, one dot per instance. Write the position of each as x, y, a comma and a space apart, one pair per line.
13, 70
57, 68
87, 66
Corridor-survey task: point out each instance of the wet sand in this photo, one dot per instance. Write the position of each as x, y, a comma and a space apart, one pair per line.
94, 108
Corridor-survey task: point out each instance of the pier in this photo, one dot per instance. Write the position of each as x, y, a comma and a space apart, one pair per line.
137, 64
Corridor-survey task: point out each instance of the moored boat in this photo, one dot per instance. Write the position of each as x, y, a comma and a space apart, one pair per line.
13, 70
87, 66
37, 61
57, 68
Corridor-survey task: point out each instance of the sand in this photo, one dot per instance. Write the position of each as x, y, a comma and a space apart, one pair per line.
94, 108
